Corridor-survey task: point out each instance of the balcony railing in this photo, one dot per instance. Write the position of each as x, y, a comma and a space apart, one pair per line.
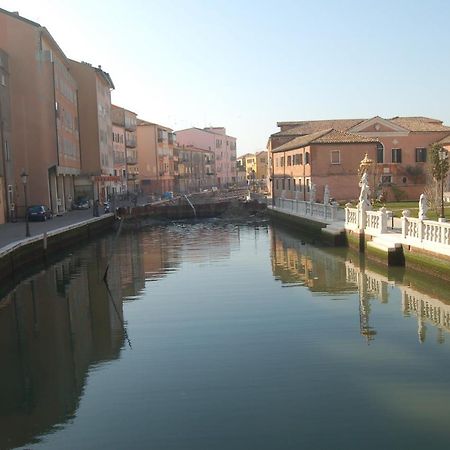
131, 160
130, 141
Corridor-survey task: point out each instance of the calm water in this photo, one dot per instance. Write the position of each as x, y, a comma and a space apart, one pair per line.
224, 337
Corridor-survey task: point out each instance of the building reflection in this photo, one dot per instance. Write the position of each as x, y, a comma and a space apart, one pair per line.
326, 270
296, 261
53, 328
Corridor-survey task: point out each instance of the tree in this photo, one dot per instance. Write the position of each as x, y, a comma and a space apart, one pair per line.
439, 167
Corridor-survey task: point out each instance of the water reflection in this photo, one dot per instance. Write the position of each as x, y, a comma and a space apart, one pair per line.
330, 271
53, 328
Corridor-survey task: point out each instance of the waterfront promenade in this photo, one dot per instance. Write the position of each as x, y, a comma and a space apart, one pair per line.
14, 232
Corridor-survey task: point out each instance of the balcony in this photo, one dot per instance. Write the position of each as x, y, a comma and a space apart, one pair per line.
131, 160
130, 141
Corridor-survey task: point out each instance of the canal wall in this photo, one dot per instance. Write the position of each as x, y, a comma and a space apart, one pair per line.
18, 259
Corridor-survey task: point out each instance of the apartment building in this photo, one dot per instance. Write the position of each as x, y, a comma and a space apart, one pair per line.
155, 157
124, 124
194, 169
40, 132
329, 151
6, 161
224, 147
97, 180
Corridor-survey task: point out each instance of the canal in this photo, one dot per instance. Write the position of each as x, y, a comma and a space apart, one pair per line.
218, 336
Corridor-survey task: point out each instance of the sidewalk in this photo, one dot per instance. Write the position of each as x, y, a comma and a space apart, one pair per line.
13, 232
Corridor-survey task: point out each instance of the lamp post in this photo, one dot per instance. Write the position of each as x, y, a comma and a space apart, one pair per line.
443, 155
24, 177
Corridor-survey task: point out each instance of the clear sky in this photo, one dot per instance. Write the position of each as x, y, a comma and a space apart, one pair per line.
246, 65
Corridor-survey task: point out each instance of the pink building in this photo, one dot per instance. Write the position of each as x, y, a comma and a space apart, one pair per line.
214, 139
333, 148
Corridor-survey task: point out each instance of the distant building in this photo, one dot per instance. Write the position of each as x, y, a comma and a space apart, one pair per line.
224, 147
40, 132
329, 151
94, 100
155, 145
194, 169
125, 149
255, 167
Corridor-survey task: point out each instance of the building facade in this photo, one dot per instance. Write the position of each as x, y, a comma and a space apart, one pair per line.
7, 212
124, 123
97, 180
155, 157
43, 136
224, 147
194, 169
400, 153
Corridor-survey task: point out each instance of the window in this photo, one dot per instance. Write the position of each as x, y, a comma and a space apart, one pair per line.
7, 151
307, 185
289, 161
307, 158
2, 80
300, 187
282, 161
277, 184
289, 184
396, 155
380, 152
283, 183
386, 179
335, 157
421, 154
295, 187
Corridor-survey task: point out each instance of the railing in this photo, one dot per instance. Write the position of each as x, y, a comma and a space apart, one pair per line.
373, 222
376, 221
351, 217
427, 231
326, 213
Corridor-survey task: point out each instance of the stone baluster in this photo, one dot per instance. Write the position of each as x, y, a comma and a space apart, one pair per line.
405, 215
383, 220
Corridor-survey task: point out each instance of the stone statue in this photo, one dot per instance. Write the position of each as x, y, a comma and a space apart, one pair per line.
364, 202
312, 193
423, 207
326, 195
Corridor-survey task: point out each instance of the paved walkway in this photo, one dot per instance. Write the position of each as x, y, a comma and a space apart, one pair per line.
13, 232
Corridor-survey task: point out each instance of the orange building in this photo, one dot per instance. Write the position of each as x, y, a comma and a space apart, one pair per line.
155, 157
124, 149
329, 152
42, 137
94, 99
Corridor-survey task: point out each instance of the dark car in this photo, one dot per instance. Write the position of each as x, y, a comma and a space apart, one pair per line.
39, 212
81, 203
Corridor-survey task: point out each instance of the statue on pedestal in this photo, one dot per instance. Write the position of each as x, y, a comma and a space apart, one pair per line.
423, 206
364, 202
312, 193
326, 195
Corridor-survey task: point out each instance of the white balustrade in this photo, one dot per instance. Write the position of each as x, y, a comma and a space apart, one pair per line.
425, 231
325, 213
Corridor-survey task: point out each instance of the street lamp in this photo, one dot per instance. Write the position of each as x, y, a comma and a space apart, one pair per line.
443, 155
24, 177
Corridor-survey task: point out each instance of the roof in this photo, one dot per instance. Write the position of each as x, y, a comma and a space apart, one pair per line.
208, 131
414, 124
330, 136
312, 126
420, 124
141, 122
445, 141
18, 17
124, 109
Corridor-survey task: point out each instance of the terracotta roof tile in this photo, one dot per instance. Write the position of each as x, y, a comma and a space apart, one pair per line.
420, 124
329, 136
313, 126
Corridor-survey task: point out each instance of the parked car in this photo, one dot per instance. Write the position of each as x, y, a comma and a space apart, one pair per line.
39, 212
81, 203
